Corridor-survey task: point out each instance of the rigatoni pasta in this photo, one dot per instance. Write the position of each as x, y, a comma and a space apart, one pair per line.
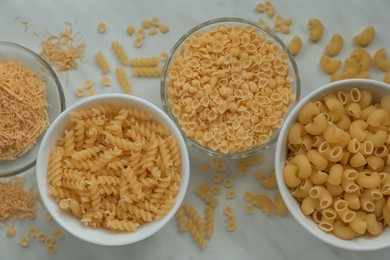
337, 172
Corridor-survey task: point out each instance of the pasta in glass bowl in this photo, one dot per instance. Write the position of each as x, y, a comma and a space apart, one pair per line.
31, 98
331, 164
228, 85
112, 169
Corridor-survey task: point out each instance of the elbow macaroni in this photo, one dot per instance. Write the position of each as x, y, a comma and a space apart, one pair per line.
338, 172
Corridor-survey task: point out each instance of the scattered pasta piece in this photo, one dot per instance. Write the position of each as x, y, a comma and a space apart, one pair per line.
231, 194
16, 202
228, 182
145, 62
102, 62
196, 233
24, 241
58, 233
164, 56
221, 166
216, 177
152, 31
88, 83
155, 21
181, 220
130, 30
280, 207
41, 236
206, 167
123, 81
51, 248
106, 81
260, 7
316, 29
209, 221
227, 210
247, 196
146, 24
269, 181
242, 170
193, 216
140, 33
249, 208
264, 24
32, 231
49, 240
203, 193
64, 50
90, 92
230, 219
47, 215
215, 161
102, 27
216, 190
79, 92
11, 232
259, 175
147, 71
138, 42
365, 37
262, 202
120, 53
164, 28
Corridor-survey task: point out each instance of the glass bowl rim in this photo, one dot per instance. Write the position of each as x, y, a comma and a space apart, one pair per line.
164, 98
61, 94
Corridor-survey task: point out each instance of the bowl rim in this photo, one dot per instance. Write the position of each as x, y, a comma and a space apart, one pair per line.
164, 75
279, 163
61, 94
133, 238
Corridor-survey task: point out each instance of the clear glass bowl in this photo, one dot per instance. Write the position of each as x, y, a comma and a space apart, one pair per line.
54, 95
207, 27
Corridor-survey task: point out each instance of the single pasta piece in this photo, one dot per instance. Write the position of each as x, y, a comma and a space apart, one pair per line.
216, 177
120, 53
123, 81
146, 24
247, 196
130, 30
102, 62
262, 202
79, 92
181, 220
24, 241
147, 71
209, 221
228, 182
102, 27
145, 62
51, 248
32, 231
197, 234
91, 92
58, 233
11, 232
164, 28
249, 208
106, 81
164, 55
231, 194
88, 83
155, 21
153, 31
138, 42
216, 190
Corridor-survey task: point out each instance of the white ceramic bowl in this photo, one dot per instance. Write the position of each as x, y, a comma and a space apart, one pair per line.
378, 89
73, 224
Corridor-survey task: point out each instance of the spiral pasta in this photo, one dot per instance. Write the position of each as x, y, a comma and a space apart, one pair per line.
102, 62
120, 53
147, 71
110, 179
120, 74
145, 62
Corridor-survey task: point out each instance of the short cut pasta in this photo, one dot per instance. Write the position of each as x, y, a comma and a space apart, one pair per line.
115, 167
336, 163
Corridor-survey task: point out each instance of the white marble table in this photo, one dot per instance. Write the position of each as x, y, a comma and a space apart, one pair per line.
257, 236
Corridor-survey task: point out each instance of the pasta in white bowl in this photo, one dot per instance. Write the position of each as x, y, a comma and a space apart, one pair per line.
112, 169
332, 164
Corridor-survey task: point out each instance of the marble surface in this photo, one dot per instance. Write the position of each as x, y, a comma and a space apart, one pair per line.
257, 236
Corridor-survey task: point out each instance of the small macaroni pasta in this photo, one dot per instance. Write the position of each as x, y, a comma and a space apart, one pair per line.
340, 178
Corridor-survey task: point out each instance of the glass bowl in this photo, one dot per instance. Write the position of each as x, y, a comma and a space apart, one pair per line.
54, 95
222, 82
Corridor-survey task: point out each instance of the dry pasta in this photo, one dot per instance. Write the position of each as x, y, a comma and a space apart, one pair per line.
145, 62
120, 53
147, 71
102, 62
123, 81
142, 190
212, 97
344, 178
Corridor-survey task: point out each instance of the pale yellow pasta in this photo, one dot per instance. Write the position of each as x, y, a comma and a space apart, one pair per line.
303, 189
335, 174
376, 163
319, 161
323, 195
318, 177
349, 186
262, 202
363, 58
368, 179
374, 227
326, 225
378, 139
24, 241
380, 60
120, 53
280, 207
130, 30
145, 62
102, 62
303, 164
295, 45
359, 224
123, 81
329, 65
309, 205
147, 71
378, 117
353, 200
357, 128
316, 29
164, 28
295, 134
342, 210
318, 125
365, 37
335, 45
307, 113
343, 231
269, 181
